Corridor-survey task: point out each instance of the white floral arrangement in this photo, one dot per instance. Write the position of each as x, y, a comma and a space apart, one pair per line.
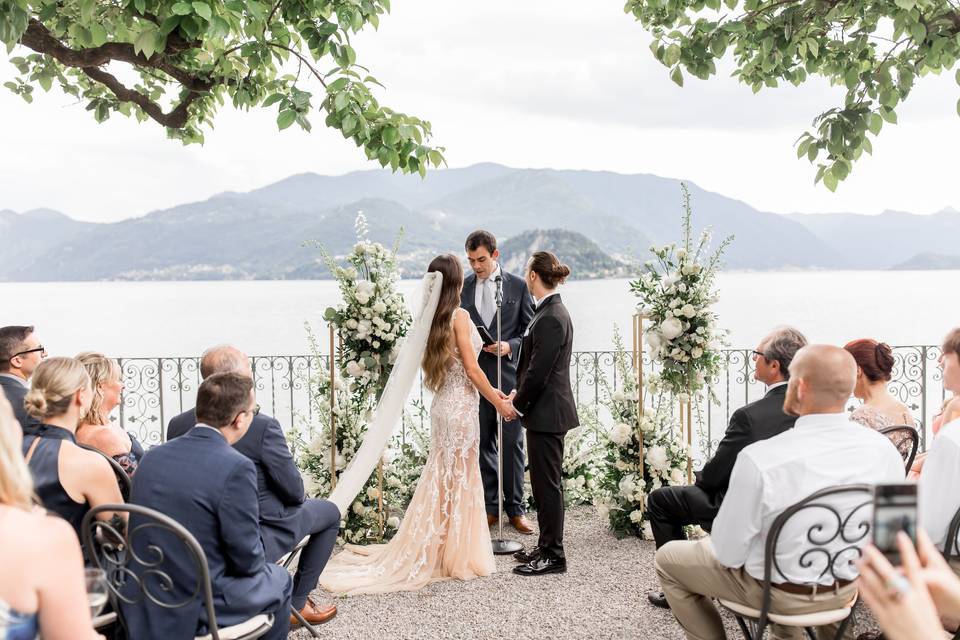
371, 321
627, 481
676, 295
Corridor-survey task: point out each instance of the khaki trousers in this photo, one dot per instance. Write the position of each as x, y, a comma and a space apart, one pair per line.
691, 576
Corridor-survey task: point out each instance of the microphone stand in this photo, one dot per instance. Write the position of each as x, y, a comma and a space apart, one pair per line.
501, 546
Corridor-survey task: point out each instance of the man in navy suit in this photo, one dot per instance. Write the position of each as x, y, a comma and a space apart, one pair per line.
479, 298
286, 514
20, 353
207, 486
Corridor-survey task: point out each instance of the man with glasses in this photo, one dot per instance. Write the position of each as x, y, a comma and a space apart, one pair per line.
287, 514
20, 353
670, 509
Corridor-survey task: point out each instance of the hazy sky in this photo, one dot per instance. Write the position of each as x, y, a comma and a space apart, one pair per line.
539, 83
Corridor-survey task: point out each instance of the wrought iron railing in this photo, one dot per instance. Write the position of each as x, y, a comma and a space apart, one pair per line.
156, 389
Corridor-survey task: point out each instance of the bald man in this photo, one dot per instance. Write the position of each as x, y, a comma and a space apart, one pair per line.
287, 514
824, 449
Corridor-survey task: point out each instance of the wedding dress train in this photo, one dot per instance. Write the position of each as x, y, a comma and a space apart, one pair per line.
444, 533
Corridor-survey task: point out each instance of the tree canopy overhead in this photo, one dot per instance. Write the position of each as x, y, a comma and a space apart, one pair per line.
876, 49
177, 61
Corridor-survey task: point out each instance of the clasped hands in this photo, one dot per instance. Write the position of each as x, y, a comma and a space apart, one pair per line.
505, 406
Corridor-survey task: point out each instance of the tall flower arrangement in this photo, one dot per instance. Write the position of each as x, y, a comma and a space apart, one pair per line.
627, 480
371, 321
676, 292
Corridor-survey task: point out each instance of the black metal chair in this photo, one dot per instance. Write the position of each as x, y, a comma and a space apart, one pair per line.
907, 441
123, 480
835, 535
131, 569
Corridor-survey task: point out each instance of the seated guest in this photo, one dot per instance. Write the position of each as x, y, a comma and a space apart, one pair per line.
937, 498
949, 412
874, 370
20, 353
824, 449
672, 508
96, 430
200, 481
286, 515
68, 480
42, 585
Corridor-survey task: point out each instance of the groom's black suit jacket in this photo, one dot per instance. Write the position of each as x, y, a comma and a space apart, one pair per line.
544, 395
751, 423
516, 312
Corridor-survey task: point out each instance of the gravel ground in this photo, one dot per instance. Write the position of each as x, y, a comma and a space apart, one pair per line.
602, 595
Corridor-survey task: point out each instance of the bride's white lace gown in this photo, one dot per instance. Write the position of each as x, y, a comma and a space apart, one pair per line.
444, 533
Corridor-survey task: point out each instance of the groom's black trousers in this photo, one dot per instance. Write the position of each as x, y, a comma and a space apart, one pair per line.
512, 462
545, 452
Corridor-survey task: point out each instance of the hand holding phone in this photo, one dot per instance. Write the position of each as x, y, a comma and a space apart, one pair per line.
894, 510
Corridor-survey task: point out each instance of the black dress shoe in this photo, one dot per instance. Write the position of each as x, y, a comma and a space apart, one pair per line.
526, 556
542, 565
658, 599
870, 635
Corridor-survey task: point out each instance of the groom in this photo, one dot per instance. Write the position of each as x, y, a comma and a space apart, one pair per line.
479, 298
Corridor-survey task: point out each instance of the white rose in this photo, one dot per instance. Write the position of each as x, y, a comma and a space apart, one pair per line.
670, 280
393, 482
393, 522
656, 457
379, 307
310, 485
654, 340
688, 310
373, 493
636, 516
696, 353
686, 269
681, 253
351, 324
359, 509
683, 397
621, 433
355, 369
339, 461
603, 510
620, 465
317, 446
671, 328
682, 288
618, 396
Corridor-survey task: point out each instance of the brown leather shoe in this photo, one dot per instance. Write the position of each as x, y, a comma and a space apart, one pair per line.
491, 520
314, 614
521, 524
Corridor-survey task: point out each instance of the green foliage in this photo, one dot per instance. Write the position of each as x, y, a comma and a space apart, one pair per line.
876, 49
189, 58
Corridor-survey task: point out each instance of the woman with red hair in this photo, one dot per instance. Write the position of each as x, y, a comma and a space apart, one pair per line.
874, 370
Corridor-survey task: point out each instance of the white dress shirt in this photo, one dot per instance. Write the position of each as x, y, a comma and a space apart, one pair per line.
937, 497
537, 303
491, 285
822, 450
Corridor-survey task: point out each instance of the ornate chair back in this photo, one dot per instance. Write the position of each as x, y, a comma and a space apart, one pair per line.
907, 441
123, 480
834, 524
156, 561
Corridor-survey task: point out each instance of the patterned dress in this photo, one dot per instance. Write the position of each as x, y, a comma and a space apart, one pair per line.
444, 533
870, 417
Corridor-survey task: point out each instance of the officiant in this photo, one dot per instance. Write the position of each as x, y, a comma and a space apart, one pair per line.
479, 298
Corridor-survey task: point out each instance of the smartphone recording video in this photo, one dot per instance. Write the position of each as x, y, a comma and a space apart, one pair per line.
894, 510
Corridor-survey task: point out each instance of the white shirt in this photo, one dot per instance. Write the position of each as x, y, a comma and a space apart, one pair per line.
937, 497
22, 382
822, 450
773, 386
537, 303
491, 284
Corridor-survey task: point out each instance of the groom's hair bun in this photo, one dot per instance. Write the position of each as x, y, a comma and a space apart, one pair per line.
548, 267
481, 238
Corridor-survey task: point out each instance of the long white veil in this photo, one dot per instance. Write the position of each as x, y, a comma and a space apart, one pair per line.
389, 410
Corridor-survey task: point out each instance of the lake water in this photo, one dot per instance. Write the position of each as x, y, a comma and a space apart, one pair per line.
263, 317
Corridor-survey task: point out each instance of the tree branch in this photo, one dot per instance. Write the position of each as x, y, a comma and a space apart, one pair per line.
302, 59
176, 119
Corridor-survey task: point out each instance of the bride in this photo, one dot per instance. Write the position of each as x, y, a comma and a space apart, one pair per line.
444, 533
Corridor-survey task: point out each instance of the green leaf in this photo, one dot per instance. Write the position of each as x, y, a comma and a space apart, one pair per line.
677, 76
876, 123
146, 42
286, 118
46, 82
830, 180
672, 55
390, 136
275, 98
348, 124
889, 115
182, 9
889, 98
958, 76
98, 35
341, 100
958, 112
203, 10
906, 5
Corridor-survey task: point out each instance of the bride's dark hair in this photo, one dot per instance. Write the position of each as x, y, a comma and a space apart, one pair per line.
437, 354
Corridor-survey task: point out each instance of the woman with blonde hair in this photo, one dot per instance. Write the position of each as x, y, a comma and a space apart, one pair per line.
42, 583
69, 480
95, 429
445, 533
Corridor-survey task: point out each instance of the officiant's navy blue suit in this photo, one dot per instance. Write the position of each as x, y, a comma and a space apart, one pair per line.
207, 486
516, 312
286, 515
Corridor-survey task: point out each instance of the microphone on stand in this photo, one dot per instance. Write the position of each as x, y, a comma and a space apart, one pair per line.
500, 545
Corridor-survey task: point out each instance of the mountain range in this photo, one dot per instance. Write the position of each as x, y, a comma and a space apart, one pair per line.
607, 220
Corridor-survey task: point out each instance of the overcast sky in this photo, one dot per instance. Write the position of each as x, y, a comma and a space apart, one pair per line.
538, 83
